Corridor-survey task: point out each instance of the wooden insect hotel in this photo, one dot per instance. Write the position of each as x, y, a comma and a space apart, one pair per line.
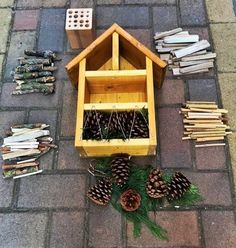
116, 73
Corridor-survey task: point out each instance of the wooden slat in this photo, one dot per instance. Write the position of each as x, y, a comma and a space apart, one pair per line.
151, 105
115, 51
116, 106
80, 103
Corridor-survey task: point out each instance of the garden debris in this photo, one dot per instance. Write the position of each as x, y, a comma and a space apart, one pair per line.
23, 147
35, 73
183, 52
205, 122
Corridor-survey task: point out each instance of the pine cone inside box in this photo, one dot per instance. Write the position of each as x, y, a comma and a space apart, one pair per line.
130, 200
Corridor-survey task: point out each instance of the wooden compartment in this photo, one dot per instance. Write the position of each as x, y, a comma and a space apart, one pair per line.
116, 72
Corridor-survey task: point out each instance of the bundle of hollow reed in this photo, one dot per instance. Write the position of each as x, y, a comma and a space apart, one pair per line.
205, 122
34, 74
22, 148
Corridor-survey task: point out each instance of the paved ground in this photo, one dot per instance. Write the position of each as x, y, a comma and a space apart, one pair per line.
51, 210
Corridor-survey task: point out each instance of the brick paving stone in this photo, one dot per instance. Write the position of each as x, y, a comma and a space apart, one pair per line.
145, 160
109, 1
220, 11
228, 89
4, 27
219, 229
81, 3
9, 118
226, 58
202, 32
19, 42
67, 230
6, 189
52, 191
30, 100
150, 1
53, 3
26, 20
128, 16
51, 34
29, 3
214, 187
217, 158
69, 110
22, 230
104, 227
192, 12
45, 116
172, 92
182, 228
61, 73
6, 3
164, 18
46, 161
174, 152
69, 157
202, 90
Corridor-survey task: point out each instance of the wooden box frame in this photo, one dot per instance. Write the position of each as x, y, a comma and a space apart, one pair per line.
116, 72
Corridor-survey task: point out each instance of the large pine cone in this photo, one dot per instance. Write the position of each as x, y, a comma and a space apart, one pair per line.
130, 200
178, 186
101, 192
120, 169
156, 187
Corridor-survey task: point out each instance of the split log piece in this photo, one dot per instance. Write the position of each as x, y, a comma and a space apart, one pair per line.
201, 66
29, 68
199, 57
36, 80
47, 88
34, 61
20, 153
174, 44
203, 44
167, 33
30, 126
49, 68
26, 161
29, 75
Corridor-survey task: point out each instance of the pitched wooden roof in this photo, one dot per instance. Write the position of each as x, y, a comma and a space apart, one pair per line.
133, 48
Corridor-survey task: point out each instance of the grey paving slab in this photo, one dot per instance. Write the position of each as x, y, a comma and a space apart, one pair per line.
51, 33
6, 190
19, 42
127, 16
53, 191
164, 18
67, 230
192, 12
22, 230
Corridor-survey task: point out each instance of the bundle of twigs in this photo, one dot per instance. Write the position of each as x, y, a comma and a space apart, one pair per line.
204, 122
35, 72
22, 148
183, 52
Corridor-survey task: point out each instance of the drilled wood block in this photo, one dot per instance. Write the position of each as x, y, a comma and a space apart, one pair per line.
79, 27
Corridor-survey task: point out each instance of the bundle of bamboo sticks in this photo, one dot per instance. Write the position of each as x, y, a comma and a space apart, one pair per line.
35, 73
183, 52
23, 147
204, 122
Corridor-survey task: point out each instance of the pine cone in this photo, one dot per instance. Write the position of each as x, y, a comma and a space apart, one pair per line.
120, 169
156, 187
101, 192
178, 186
130, 200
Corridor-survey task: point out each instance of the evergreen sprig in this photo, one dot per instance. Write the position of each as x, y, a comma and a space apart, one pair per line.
137, 181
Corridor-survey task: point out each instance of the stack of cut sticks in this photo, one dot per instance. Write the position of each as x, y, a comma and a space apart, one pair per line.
22, 148
204, 122
35, 73
183, 52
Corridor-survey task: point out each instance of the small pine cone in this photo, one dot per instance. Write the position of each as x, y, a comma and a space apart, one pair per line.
130, 200
178, 186
120, 169
101, 192
156, 187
